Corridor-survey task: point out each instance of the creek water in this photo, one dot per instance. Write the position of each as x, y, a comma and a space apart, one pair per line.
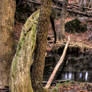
77, 65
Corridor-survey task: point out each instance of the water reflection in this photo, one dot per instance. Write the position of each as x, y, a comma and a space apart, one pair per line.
66, 76
86, 76
80, 75
77, 76
70, 76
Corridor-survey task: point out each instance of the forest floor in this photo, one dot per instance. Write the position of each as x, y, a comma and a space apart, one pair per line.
81, 40
67, 87
72, 87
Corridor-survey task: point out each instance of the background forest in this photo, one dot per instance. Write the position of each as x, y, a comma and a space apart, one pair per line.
45, 45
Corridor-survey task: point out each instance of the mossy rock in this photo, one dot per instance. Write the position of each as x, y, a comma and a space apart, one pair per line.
75, 26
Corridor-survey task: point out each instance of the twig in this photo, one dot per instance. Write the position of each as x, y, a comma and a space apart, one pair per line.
58, 65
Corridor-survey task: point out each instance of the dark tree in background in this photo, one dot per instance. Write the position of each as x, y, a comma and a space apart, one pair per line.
63, 15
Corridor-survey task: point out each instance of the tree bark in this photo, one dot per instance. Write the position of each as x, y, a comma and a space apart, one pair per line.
61, 28
38, 64
7, 11
20, 80
62, 20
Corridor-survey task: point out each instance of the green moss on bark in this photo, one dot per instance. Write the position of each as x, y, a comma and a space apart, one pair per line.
20, 80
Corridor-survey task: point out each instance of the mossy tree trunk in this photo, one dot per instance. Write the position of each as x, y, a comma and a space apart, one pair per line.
39, 58
20, 80
7, 12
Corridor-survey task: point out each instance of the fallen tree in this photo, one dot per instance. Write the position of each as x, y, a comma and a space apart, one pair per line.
57, 65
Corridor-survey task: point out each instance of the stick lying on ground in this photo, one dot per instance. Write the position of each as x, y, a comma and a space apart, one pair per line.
58, 65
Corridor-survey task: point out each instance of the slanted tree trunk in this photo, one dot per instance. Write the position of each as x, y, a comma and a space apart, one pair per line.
20, 80
7, 11
58, 65
39, 58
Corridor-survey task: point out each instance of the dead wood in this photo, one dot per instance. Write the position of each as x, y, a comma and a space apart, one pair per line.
58, 65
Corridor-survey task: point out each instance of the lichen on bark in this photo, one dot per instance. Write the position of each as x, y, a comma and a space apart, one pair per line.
20, 80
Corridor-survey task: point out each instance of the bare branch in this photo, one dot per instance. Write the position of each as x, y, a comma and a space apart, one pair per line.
58, 65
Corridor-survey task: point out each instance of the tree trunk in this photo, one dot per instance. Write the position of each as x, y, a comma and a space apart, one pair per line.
38, 64
61, 29
20, 80
63, 17
7, 11
90, 4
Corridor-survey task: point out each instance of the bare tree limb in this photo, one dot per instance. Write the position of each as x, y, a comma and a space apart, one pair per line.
58, 65
71, 8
